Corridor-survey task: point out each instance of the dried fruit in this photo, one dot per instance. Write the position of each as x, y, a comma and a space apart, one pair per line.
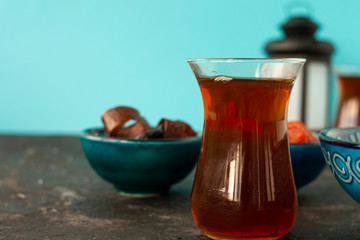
298, 133
115, 119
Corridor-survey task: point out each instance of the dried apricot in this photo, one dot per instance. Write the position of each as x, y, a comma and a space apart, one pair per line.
298, 133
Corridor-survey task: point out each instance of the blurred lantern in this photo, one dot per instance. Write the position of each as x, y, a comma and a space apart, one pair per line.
310, 98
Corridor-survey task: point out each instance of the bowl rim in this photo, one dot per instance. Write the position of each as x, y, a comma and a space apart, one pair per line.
87, 135
323, 136
301, 145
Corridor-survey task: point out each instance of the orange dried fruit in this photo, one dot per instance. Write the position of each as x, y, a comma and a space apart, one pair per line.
298, 133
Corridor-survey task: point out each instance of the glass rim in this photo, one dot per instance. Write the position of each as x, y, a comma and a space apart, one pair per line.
346, 70
269, 60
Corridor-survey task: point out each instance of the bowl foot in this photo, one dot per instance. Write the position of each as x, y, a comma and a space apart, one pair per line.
141, 193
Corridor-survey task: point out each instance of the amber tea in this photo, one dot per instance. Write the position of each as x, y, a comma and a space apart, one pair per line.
349, 106
244, 186
252, 193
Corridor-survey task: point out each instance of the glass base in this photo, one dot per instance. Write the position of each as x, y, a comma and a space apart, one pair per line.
270, 236
217, 237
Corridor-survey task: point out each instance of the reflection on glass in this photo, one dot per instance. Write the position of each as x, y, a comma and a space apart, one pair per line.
244, 187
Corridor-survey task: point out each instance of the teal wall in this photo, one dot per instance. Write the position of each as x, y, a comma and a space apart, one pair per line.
62, 63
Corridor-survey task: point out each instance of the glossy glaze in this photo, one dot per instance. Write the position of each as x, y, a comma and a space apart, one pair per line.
341, 149
307, 162
140, 167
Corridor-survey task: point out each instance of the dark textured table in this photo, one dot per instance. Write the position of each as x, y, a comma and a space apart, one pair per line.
49, 191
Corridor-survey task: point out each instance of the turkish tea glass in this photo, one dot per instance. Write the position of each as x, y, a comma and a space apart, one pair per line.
244, 186
348, 79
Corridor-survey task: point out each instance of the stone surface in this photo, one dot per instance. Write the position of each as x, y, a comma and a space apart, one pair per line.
49, 191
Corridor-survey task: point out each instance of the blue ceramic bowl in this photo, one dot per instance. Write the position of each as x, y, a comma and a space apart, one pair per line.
341, 148
140, 167
307, 162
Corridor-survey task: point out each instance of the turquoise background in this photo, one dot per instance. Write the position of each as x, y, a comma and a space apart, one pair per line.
62, 63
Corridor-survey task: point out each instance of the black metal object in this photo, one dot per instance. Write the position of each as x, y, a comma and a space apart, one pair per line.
300, 41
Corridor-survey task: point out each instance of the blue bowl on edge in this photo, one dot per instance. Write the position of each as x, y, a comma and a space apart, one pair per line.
307, 162
341, 148
140, 167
